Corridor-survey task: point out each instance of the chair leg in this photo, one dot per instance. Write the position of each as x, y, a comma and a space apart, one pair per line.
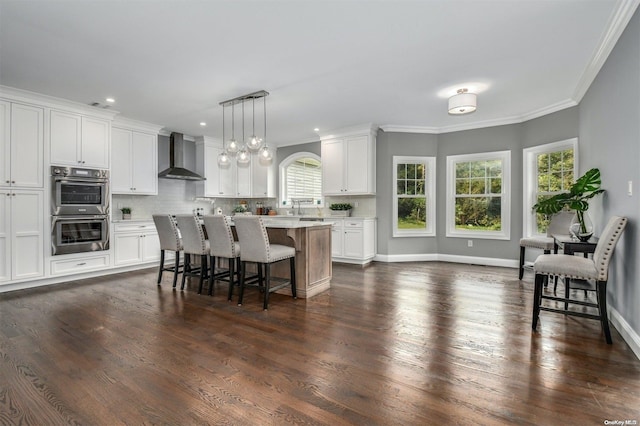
521, 270
260, 277
212, 271
546, 277
567, 290
537, 295
161, 267
232, 263
243, 268
176, 270
292, 267
267, 284
601, 287
186, 270
203, 271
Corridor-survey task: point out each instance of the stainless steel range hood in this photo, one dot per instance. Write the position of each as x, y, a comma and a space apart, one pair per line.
176, 168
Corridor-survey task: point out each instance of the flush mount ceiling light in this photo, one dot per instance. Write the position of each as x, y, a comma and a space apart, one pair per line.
254, 143
462, 103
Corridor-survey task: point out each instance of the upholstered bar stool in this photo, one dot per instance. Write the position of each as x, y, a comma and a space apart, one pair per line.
222, 244
254, 241
194, 243
576, 267
169, 240
559, 224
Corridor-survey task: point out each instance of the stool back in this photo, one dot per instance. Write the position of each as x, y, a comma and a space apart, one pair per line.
253, 239
221, 242
606, 245
193, 239
167, 232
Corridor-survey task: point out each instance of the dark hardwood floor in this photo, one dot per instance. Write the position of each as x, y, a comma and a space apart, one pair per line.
391, 344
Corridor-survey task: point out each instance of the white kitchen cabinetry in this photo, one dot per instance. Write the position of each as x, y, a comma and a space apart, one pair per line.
75, 264
135, 166
136, 243
21, 145
353, 240
349, 162
79, 140
21, 234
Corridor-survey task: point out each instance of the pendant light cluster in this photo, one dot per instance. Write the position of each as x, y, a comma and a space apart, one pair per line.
242, 152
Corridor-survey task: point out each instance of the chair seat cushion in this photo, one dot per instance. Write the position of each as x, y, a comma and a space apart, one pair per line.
568, 266
542, 243
279, 252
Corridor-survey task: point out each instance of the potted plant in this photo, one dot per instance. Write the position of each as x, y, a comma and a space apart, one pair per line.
126, 213
585, 188
340, 209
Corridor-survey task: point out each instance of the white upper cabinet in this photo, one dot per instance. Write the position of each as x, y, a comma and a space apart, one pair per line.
21, 145
349, 163
263, 178
78, 140
134, 167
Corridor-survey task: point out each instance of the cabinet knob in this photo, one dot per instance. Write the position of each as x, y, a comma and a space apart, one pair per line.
13, 181
14, 194
8, 182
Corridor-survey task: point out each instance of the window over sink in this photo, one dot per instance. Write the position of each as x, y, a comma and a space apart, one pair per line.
301, 178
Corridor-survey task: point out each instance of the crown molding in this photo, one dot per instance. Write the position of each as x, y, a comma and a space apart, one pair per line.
618, 21
409, 129
41, 100
559, 106
130, 124
349, 131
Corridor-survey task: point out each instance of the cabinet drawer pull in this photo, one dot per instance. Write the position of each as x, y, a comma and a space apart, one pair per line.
81, 264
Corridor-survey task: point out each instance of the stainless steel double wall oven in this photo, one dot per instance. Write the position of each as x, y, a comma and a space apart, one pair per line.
79, 210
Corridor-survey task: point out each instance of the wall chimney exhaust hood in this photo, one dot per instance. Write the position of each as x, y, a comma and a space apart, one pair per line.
176, 168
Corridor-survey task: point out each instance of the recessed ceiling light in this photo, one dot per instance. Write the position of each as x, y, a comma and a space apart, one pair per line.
316, 130
202, 123
110, 100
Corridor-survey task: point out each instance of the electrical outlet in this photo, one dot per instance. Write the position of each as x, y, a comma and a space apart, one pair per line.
356, 204
630, 188
469, 243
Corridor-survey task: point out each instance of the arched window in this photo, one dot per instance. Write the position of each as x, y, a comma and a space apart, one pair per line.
301, 179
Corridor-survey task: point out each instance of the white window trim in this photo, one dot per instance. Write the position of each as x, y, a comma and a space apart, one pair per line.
282, 170
529, 181
430, 191
505, 233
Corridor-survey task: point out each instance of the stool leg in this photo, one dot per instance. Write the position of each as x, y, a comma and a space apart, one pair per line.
203, 271
567, 289
267, 284
176, 270
537, 293
602, 308
521, 270
161, 266
186, 270
232, 263
212, 271
243, 268
292, 267
546, 277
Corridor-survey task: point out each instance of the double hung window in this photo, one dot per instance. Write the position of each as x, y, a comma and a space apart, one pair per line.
413, 196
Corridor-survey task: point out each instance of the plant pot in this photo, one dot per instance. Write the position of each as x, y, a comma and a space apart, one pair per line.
581, 226
126, 216
341, 213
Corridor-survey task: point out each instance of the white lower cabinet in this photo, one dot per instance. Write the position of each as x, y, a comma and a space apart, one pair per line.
135, 243
353, 240
75, 264
21, 234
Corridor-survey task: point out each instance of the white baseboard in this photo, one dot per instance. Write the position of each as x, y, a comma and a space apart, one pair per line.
628, 334
471, 260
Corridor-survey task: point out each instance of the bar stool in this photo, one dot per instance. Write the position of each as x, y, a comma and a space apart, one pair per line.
169, 240
195, 243
254, 241
222, 244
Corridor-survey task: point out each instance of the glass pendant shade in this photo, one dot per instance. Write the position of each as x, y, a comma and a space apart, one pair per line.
232, 146
243, 156
224, 159
254, 143
266, 154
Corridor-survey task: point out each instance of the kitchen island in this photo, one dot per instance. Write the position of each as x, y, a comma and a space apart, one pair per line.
312, 241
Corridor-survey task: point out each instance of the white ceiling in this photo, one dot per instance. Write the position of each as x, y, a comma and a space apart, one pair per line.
326, 64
